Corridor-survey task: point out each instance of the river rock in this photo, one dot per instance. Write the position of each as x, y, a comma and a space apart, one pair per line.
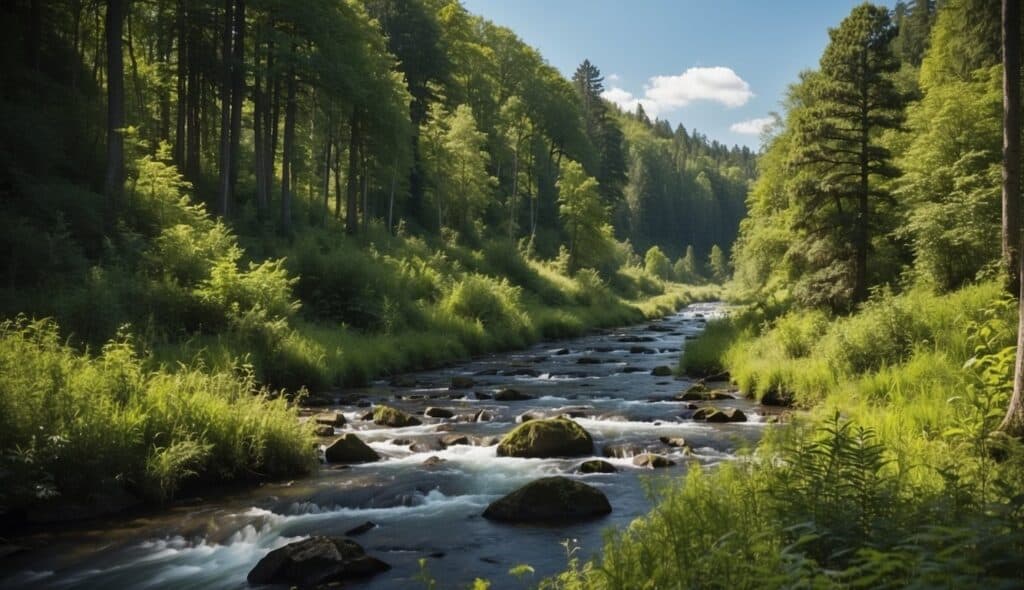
641, 350
588, 360
388, 416
350, 449
330, 419
775, 397
553, 437
716, 415
550, 499
402, 442
426, 446
316, 561
531, 415
323, 430
511, 395
652, 461
595, 466
675, 441
486, 441
562, 351
451, 440
433, 461
662, 371
461, 382
367, 417
483, 416
622, 451
633, 370
483, 396
438, 413
520, 372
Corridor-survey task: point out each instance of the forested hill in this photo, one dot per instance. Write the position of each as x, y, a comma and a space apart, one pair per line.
412, 114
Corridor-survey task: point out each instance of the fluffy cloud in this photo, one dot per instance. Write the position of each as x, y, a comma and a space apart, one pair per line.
752, 126
665, 93
612, 78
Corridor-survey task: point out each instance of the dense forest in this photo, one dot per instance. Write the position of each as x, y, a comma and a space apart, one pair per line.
308, 195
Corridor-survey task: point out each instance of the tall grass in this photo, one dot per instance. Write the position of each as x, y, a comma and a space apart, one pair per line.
74, 426
891, 479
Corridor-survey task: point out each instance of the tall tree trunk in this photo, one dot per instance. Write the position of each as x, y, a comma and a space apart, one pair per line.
193, 133
288, 154
1011, 145
326, 186
224, 199
1013, 423
237, 92
182, 89
352, 192
391, 198
259, 144
114, 179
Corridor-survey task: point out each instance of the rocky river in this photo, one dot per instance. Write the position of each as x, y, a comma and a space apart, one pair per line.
425, 498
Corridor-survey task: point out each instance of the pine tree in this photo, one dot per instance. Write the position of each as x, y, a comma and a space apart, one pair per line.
852, 99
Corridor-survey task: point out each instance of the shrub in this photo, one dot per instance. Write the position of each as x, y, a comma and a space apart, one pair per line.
657, 264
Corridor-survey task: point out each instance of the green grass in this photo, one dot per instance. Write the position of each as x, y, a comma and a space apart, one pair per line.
75, 426
891, 478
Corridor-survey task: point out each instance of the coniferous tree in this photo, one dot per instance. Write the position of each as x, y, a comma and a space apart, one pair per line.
852, 99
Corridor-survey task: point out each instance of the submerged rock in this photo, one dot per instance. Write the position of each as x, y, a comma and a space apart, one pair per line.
662, 371
550, 499
596, 466
323, 430
622, 451
316, 561
553, 437
641, 350
388, 416
720, 415
438, 413
433, 461
531, 415
451, 440
675, 441
483, 416
350, 449
461, 382
511, 395
652, 461
363, 528
426, 446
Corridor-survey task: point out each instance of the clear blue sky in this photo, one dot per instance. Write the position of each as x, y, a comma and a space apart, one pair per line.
764, 44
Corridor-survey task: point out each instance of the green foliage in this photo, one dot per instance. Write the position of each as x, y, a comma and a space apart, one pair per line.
585, 217
75, 426
657, 264
718, 265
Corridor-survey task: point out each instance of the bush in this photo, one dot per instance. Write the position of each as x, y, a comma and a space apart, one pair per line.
657, 264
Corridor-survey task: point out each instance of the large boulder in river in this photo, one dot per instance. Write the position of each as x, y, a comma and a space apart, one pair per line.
350, 449
554, 437
388, 416
461, 382
330, 419
662, 371
550, 499
652, 461
433, 412
315, 562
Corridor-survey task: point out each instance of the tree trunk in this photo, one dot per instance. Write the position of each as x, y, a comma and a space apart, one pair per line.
259, 145
352, 191
1013, 423
114, 179
1011, 145
328, 144
288, 155
391, 199
237, 93
224, 199
182, 89
337, 179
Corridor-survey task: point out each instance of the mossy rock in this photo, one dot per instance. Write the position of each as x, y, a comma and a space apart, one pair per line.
511, 395
350, 449
330, 419
596, 466
550, 500
388, 416
315, 562
662, 371
554, 437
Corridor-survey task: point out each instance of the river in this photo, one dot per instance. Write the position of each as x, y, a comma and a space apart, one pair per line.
425, 512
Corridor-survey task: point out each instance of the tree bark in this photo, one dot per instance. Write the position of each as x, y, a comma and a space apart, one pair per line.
352, 192
288, 154
182, 89
1013, 423
1011, 145
114, 180
224, 200
237, 92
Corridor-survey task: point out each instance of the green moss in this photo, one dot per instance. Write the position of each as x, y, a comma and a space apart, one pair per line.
388, 416
554, 437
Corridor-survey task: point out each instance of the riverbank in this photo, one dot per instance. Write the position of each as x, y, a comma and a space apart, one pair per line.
891, 478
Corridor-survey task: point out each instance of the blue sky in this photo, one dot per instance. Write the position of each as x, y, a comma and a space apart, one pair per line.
717, 65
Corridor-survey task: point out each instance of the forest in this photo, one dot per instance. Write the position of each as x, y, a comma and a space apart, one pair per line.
222, 217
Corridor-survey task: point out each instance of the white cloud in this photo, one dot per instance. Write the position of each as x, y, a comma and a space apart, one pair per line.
665, 93
612, 78
752, 126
